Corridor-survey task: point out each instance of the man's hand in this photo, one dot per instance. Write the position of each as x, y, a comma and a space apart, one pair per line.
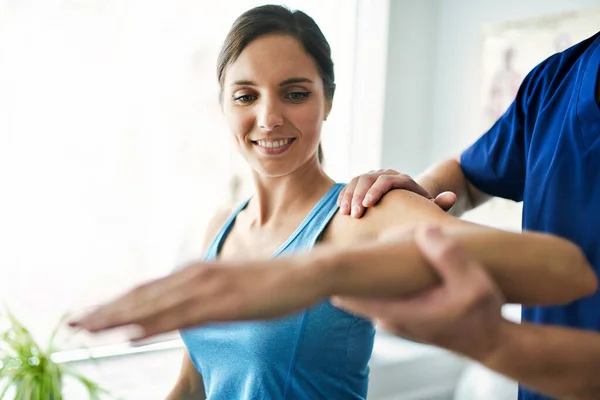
461, 314
366, 190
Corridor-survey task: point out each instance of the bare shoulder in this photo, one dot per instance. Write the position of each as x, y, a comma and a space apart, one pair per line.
199, 236
397, 209
214, 225
415, 207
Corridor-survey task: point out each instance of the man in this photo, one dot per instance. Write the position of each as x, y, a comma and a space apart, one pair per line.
544, 151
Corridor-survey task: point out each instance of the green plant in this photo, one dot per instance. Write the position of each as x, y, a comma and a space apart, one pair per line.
28, 369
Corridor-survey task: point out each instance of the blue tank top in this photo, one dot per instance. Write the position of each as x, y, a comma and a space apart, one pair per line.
320, 353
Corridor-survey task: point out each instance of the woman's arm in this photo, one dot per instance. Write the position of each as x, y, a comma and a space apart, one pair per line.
530, 268
189, 385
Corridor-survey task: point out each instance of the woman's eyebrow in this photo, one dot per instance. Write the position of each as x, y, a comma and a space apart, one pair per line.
291, 81
243, 83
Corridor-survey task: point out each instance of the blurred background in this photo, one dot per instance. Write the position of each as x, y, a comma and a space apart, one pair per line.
114, 153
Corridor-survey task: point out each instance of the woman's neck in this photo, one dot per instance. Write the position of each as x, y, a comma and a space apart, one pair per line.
297, 192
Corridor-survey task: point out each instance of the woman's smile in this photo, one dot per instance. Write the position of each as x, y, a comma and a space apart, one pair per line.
273, 146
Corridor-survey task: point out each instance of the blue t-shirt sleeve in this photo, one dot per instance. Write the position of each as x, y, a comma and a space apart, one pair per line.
496, 162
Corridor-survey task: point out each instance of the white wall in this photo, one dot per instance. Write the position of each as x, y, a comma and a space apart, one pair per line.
432, 92
411, 61
457, 70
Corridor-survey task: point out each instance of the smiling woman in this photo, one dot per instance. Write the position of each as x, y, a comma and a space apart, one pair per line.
268, 85
311, 41
277, 85
274, 99
113, 150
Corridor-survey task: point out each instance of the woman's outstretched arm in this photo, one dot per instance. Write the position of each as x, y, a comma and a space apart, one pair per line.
529, 268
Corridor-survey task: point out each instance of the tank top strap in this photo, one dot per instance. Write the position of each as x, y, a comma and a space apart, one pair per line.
304, 237
310, 230
215, 246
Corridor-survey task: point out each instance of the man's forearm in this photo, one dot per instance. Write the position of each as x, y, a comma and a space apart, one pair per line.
447, 175
563, 363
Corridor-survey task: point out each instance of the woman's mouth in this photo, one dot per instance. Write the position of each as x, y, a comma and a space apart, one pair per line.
273, 146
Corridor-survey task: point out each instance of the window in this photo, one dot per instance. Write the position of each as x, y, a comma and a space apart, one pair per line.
113, 152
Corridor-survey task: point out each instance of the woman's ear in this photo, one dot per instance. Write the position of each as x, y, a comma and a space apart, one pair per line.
328, 105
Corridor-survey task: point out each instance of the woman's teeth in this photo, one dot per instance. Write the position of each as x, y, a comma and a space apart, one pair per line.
273, 143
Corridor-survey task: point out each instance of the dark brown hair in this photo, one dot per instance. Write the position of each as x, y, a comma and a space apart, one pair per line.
275, 19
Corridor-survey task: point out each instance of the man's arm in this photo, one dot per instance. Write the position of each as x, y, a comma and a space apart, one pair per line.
444, 183
563, 363
448, 176
462, 314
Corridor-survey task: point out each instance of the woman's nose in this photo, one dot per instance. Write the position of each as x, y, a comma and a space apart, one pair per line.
269, 116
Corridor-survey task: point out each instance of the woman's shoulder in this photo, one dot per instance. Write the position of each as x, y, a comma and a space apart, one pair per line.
215, 224
218, 219
397, 209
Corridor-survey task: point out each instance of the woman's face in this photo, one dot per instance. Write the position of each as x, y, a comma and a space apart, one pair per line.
274, 104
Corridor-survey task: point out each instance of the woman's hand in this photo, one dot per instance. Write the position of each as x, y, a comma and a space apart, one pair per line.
208, 292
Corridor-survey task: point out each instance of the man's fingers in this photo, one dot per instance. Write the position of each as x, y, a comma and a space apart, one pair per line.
406, 182
385, 183
444, 254
367, 189
445, 200
362, 187
382, 185
345, 199
341, 196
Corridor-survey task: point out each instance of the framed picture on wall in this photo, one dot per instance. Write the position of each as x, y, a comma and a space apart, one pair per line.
509, 51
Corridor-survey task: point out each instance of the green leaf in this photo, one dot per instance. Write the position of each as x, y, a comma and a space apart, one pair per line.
9, 384
50, 348
94, 390
30, 370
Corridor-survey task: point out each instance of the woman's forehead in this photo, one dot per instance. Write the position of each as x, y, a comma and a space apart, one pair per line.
272, 59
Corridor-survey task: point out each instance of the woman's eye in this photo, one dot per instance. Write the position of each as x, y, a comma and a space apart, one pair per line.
244, 98
297, 96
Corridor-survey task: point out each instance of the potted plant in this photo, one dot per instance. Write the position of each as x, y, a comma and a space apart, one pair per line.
27, 369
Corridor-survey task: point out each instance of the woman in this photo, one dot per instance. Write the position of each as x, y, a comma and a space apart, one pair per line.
277, 87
